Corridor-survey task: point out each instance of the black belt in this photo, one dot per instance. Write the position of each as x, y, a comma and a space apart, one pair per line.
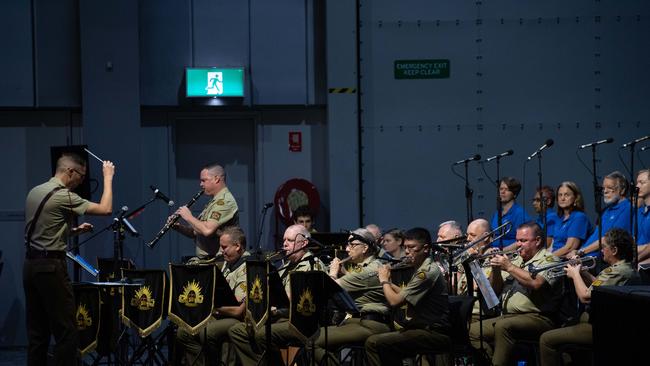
378, 317
52, 254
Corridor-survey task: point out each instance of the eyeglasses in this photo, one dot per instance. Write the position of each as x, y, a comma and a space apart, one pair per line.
82, 175
610, 189
353, 244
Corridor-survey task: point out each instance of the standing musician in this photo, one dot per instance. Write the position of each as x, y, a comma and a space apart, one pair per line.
49, 300
546, 194
511, 211
427, 303
617, 252
219, 213
616, 213
643, 215
363, 285
233, 246
574, 226
301, 259
528, 303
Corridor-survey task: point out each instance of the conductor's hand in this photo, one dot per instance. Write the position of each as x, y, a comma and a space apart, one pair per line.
83, 228
108, 169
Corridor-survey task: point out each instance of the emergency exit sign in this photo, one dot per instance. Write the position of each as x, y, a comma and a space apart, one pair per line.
421, 69
215, 82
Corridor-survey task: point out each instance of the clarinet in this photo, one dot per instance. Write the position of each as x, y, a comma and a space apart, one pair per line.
174, 218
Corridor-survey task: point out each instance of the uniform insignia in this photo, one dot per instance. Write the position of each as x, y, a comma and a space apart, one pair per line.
608, 270
191, 295
243, 286
215, 215
550, 258
597, 283
143, 299
220, 202
256, 292
421, 275
83, 317
306, 305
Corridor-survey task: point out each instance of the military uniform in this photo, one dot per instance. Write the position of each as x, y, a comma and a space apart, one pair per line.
217, 328
49, 300
374, 318
616, 275
223, 210
281, 332
527, 313
427, 330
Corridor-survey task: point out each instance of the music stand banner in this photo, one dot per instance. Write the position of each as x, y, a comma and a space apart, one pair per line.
307, 299
111, 303
257, 292
191, 298
87, 316
142, 306
401, 277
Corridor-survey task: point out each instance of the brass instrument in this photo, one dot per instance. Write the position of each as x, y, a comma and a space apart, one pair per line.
172, 220
511, 254
463, 255
557, 269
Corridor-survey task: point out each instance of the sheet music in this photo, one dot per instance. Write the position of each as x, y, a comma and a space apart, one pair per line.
484, 286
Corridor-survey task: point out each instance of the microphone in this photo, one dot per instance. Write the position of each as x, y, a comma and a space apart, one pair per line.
548, 143
507, 153
123, 212
127, 224
606, 141
633, 142
475, 157
161, 195
645, 148
267, 205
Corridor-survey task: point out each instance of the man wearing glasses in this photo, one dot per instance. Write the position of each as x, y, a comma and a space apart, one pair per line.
616, 213
49, 300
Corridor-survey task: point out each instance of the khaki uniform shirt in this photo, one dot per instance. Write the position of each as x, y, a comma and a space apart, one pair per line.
364, 287
615, 275
519, 299
52, 227
236, 276
426, 296
303, 265
223, 210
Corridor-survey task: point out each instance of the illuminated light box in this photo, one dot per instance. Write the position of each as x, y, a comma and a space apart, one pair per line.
214, 82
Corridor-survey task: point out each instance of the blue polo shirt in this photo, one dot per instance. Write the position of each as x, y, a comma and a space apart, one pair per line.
516, 215
577, 225
552, 220
643, 219
614, 216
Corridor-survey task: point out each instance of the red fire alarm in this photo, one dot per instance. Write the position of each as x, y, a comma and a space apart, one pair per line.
295, 141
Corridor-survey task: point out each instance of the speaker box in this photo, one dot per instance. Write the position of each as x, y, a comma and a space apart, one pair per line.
83, 189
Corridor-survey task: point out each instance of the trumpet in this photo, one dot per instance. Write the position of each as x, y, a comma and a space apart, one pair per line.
556, 270
464, 254
511, 254
172, 220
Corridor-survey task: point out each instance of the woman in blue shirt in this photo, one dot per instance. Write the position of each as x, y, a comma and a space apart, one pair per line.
574, 226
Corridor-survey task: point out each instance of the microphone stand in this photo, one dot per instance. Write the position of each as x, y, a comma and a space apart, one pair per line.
499, 203
469, 193
258, 245
542, 197
598, 194
634, 204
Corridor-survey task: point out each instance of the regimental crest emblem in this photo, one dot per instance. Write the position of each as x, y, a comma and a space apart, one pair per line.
191, 296
256, 293
306, 305
143, 299
83, 318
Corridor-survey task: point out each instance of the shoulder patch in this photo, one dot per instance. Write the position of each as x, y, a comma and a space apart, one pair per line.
243, 286
215, 215
597, 283
550, 258
608, 270
421, 275
220, 202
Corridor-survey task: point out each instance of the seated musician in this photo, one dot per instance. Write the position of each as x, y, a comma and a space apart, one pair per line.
363, 286
300, 259
427, 304
392, 243
529, 303
221, 212
447, 231
617, 247
574, 227
208, 344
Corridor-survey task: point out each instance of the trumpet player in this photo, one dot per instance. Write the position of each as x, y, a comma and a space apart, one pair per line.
528, 303
617, 246
219, 213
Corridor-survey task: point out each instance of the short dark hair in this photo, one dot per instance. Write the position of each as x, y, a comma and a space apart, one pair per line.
419, 234
69, 158
513, 185
623, 242
303, 211
534, 227
236, 234
397, 234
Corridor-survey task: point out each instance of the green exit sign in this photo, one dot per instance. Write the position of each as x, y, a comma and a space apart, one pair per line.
421, 69
215, 82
